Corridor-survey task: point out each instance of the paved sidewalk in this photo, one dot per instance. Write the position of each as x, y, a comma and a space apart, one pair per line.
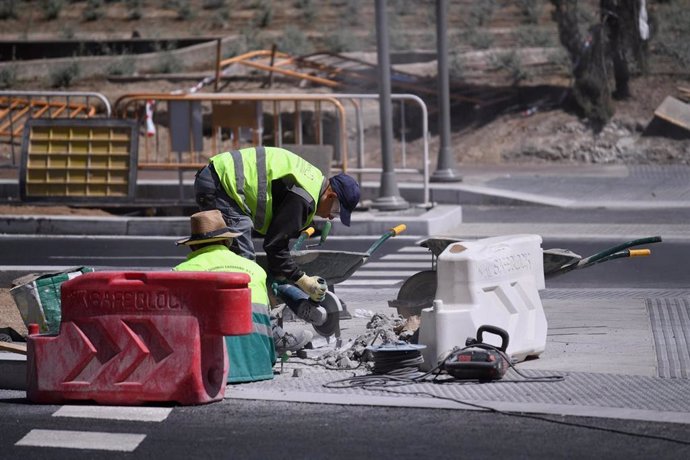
624, 353
603, 343
574, 187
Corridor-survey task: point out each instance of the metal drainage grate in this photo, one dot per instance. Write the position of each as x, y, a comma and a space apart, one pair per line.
670, 321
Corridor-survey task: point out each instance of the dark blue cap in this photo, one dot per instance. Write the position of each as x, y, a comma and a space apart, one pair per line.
347, 190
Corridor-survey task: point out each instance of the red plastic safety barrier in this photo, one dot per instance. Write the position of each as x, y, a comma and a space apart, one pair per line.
136, 337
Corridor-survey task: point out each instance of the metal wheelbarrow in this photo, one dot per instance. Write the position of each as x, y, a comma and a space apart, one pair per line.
419, 290
333, 266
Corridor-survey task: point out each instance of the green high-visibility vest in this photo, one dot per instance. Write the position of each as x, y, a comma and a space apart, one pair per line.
246, 176
251, 356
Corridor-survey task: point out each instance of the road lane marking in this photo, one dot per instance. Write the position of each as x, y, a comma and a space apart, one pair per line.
34, 268
367, 282
417, 249
123, 442
407, 257
117, 257
414, 265
137, 414
390, 274
43, 236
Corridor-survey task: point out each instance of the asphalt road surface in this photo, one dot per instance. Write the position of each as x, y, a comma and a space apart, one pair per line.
663, 269
259, 429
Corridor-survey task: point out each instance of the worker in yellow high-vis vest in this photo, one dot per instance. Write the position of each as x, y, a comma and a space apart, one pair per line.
251, 356
276, 193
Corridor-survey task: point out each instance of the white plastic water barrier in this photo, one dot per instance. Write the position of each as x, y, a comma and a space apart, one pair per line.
493, 281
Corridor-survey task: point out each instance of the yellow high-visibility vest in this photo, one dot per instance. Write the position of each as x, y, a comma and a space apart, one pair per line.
246, 176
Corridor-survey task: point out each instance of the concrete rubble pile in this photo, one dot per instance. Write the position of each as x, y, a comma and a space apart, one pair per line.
380, 329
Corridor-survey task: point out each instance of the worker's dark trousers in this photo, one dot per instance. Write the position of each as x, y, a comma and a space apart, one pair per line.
210, 194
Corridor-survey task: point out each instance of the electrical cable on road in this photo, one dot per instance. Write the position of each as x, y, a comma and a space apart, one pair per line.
384, 382
396, 360
401, 367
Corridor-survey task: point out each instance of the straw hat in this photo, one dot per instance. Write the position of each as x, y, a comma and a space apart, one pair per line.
207, 227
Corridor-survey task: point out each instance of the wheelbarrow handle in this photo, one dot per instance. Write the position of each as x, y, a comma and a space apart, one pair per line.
616, 252
607, 252
325, 231
621, 254
302, 237
395, 231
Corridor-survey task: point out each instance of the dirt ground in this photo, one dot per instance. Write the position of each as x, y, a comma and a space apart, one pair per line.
558, 136
28, 210
510, 136
9, 315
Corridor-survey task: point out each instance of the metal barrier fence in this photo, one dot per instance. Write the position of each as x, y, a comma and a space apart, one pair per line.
235, 111
356, 100
17, 107
194, 124
186, 117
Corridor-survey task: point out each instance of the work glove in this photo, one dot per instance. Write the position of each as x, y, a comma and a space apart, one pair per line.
315, 286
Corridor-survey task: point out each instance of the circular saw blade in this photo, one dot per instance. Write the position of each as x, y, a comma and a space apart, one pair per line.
332, 325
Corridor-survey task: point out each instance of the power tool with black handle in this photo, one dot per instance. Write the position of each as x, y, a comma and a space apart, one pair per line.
478, 360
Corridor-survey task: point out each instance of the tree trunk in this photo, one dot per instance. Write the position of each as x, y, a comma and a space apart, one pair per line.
590, 89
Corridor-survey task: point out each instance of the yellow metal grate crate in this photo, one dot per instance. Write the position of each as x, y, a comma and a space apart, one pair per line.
79, 160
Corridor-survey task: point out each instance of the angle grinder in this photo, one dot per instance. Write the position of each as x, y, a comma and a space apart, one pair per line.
294, 297
333, 308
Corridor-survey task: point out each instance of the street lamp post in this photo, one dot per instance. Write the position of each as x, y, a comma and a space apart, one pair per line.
445, 170
389, 196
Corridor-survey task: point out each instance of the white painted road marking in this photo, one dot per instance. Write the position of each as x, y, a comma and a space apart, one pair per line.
180, 257
94, 440
379, 274
407, 257
398, 267
368, 282
417, 249
136, 414
414, 265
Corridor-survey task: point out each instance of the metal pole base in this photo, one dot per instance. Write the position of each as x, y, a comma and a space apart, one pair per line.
445, 175
390, 203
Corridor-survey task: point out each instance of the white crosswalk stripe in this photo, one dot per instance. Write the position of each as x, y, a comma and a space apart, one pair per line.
391, 270
72, 439
402, 264
368, 282
384, 273
407, 257
416, 249
137, 414
123, 442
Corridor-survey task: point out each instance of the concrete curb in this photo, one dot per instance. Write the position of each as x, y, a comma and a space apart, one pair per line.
439, 219
623, 413
166, 193
13, 375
